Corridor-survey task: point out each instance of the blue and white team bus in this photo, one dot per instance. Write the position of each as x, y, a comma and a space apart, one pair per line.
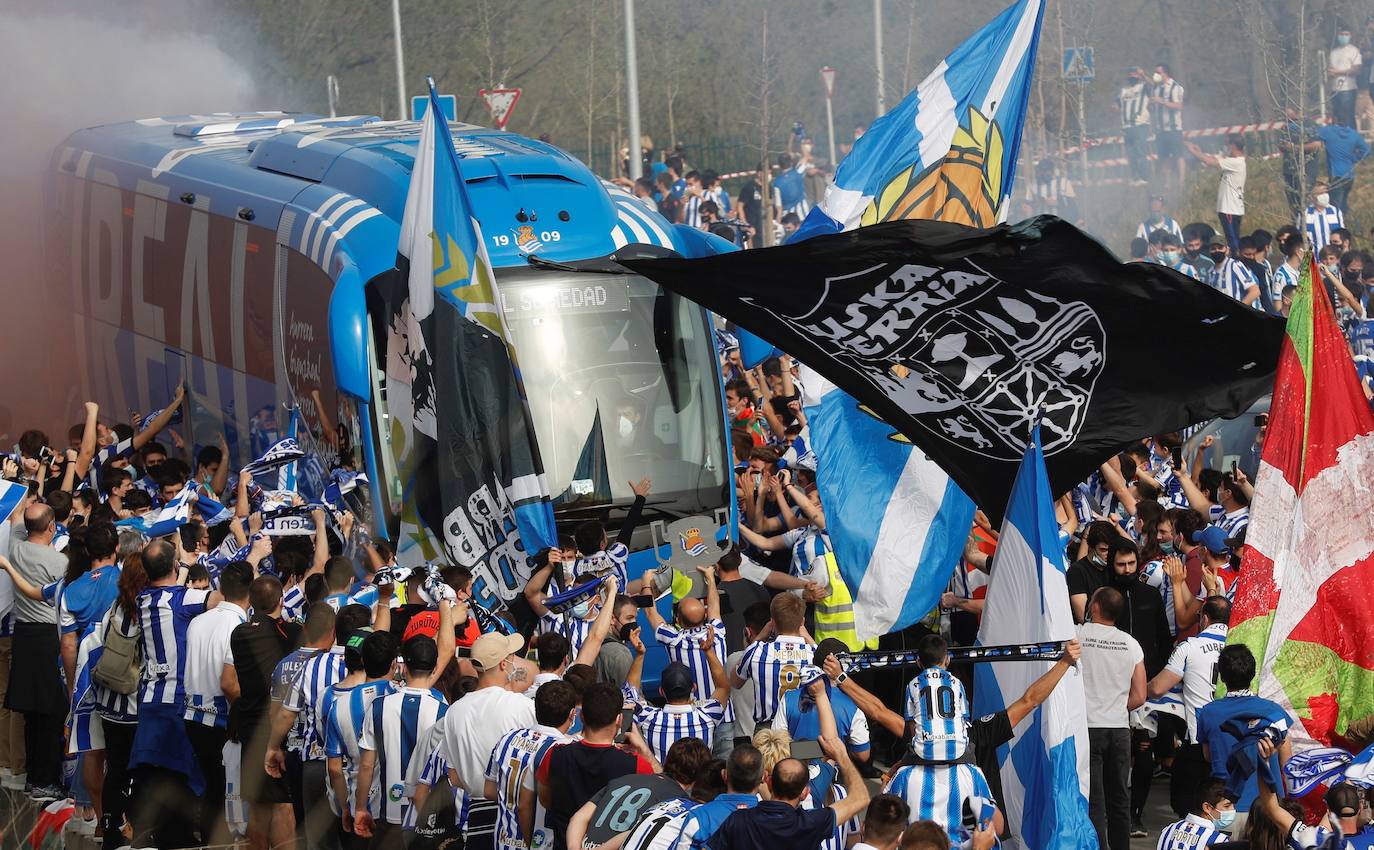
237, 252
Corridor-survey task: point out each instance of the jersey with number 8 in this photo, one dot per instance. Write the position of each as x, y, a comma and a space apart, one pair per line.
935, 701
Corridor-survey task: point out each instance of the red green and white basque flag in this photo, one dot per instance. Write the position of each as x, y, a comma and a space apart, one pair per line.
1305, 601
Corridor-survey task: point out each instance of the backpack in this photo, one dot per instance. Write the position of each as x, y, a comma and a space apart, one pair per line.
120, 666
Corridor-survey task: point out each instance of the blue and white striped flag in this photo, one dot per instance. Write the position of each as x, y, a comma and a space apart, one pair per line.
281, 453
895, 519
11, 494
1045, 766
948, 150
165, 520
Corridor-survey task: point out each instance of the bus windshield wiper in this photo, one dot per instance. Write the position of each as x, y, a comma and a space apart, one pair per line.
603, 265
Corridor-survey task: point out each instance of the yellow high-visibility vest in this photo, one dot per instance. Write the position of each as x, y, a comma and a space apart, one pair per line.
835, 613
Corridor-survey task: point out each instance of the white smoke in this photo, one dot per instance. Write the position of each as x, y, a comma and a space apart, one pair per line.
63, 71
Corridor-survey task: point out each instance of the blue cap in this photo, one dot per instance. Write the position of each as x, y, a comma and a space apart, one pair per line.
676, 681
1213, 538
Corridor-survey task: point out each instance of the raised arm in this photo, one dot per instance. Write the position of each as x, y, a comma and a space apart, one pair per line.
870, 705
720, 682
321, 545
144, 437
88, 438
856, 798
601, 627
1041, 688
447, 641
708, 575
1117, 484
536, 589
636, 512
221, 476
767, 544
811, 510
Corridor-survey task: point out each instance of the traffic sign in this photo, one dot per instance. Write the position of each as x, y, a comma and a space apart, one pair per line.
1078, 64
828, 80
500, 102
448, 104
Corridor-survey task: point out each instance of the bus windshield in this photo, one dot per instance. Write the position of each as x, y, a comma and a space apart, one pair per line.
621, 385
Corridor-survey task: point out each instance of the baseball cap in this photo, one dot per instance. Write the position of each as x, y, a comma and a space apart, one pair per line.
1343, 799
1217, 239
829, 646
353, 647
1213, 538
420, 653
489, 650
676, 681
423, 623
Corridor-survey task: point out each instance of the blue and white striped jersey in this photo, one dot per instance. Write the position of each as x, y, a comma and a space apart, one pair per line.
366, 597
663, 727
393, 727
1318, 224
691, 211
1168, 225
1186, 269
774, 667
660, 828
512, 766
798, 715
839, 839
942, 793
684, 647
164, 614
1235, 522
1284, 276
283, 677
565, 624
809, 548
345, 712
1232, 277
1134, 102
936, 703
1190, 833
307, 696
610, 560
105, 454
1166, 120
293, 602
113, 706
1153, 575
429, 766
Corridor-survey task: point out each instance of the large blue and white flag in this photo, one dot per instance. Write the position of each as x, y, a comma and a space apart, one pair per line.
471, 468
948, 150
11, 494
279, 455
1045, 766
895, 519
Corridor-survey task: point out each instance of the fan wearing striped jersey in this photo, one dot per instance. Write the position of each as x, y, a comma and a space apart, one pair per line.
1207, 822
583, 625
775, 662
685, 642
114, 452
681, 716
510, 774
937, 716
368, 659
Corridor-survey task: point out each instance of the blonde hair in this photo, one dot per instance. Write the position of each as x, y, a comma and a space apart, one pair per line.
774, 745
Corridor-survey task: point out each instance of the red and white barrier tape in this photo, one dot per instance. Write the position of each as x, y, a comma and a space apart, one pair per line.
1262, 127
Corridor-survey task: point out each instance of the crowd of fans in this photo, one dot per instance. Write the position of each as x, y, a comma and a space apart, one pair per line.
209, 676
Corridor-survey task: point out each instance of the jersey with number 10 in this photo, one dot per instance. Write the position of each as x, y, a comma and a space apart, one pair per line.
935, 701
511, 766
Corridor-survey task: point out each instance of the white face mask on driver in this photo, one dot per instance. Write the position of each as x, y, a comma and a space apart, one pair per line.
626, 427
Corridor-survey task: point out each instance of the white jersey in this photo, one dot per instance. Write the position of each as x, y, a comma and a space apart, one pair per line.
1191, 833
394, 725
660, 827
943, 793
1196, 661
512, 767
935, 701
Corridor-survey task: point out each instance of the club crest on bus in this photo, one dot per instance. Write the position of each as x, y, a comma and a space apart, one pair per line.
525, 239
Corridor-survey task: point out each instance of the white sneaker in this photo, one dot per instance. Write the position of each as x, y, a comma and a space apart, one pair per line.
14, 781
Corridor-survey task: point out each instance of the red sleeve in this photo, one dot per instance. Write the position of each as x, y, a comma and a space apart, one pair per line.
642, 765
542, 772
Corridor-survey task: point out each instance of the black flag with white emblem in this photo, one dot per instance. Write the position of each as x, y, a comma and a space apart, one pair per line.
959, 337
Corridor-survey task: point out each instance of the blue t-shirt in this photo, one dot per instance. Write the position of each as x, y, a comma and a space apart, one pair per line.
1211, 720
87, 599
1344, 148
805, 723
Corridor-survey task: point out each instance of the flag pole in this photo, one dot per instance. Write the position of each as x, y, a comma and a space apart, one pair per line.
636, 156
400, 59
878, 54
